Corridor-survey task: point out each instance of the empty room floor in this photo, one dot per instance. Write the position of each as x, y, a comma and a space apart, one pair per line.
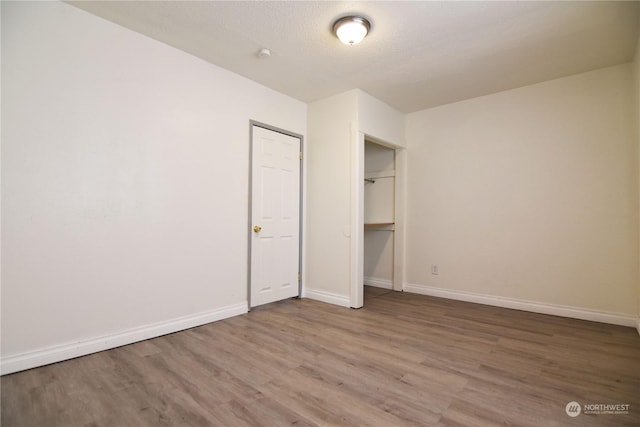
403, 359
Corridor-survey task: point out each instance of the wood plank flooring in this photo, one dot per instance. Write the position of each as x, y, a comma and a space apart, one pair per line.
403, 360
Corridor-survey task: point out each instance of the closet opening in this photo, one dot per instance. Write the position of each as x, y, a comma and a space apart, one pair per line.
379, 219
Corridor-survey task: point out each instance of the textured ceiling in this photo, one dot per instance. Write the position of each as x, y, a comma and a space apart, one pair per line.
418, 55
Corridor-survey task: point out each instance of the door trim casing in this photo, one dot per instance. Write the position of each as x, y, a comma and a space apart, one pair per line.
256, 123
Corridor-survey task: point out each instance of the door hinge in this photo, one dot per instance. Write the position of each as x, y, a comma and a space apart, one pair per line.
299, 277
301, 155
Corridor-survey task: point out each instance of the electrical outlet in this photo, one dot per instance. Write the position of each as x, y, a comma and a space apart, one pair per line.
434, 269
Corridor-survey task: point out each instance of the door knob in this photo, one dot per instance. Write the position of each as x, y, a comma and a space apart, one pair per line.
257, 228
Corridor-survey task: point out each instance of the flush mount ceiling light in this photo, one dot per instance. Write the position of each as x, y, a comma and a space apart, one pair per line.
351, 29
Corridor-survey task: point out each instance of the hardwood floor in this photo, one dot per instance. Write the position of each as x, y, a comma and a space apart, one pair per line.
404, 359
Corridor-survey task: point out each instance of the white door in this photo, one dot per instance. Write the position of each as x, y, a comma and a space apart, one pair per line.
275, 216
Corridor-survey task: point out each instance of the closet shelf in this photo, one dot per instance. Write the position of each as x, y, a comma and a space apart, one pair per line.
380, 174
383, 226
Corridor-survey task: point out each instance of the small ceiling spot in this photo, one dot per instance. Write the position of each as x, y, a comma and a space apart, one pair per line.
264, 53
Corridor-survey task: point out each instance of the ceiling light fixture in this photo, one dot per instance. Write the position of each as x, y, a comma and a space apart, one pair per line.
351, 29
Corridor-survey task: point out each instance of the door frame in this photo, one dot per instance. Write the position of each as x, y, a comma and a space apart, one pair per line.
256, 123
356, 286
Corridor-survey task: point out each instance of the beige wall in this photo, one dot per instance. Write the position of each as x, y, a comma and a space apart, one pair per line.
379, 121
328, 201
529, 194
125, 166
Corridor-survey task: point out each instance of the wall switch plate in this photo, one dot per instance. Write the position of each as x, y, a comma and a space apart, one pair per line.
434, 269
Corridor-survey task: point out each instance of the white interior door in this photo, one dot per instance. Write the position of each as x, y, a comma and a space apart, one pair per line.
275, 216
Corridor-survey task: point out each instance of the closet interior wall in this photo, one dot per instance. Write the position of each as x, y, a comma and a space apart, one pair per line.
379, 217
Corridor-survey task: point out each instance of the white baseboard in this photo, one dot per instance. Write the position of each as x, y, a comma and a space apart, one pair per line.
327, 297
58, 353
535, 307
378, 283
